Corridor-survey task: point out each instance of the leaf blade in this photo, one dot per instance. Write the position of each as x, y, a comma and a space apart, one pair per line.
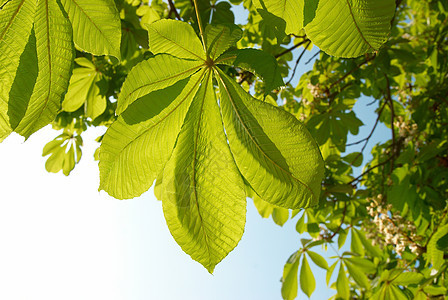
156, 73
176, 38
16, 22
96, 26
129, 159
55, 54
204, 196
274, 170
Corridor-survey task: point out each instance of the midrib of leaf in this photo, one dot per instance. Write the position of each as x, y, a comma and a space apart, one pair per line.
254, 140
2, 35
356, 24
94, 24
194, 167
47, 98
162, 80
218, 39
224, 59
176, 43
166, 116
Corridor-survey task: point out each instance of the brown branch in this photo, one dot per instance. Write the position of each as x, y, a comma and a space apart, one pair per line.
352, 70
369, 170
340, 226
297, 62
369, 136
312, 57
292, 48
392, 119
174, 10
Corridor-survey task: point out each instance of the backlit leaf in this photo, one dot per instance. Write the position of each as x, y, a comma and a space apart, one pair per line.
55, 55
273, 150
96, 26
204, 203
307, 281
16, 22
352, 27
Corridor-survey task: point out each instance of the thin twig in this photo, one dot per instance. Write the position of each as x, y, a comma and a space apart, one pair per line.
392, 119
312, 57
342, 223
297, 62
174, 10
352, 70
369, 170
371, 132
292, 48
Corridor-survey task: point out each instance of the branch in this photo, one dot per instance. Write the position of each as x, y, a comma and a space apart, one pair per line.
352, 70
370, 134
340, 226
369, 170
312, 57
174, 10
292, 48
297, 62
392, 118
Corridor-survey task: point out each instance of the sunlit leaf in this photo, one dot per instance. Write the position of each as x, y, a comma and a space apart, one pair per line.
16, 22
55, 54
205, 221
96, 26
307, 281
352, 28
265, 143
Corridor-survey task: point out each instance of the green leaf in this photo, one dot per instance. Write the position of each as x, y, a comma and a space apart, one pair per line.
273, 150
435, 290
407, 278
204, 203
342, 284
96, 26
330, 272
296, 14
156, 73
365, 265
16, 22
342, 237
442, 243
301, 226
219, 38
148, 127
83, 88
176, 38
264, 208
261, 64
61, 158
280, 215
358, 26
356, 244
357, 275
307, 281
434, 254
318, 259
55, 54
374, 251
290, 282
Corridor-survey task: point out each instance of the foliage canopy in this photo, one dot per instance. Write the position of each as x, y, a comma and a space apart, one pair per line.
200, 106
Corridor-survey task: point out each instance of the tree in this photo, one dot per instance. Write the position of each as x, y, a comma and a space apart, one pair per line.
173, 83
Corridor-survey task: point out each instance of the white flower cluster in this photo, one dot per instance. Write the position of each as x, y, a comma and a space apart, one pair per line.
391, 228
315, 90
406, 130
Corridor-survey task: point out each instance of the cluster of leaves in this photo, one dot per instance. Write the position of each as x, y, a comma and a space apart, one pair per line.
174, 95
